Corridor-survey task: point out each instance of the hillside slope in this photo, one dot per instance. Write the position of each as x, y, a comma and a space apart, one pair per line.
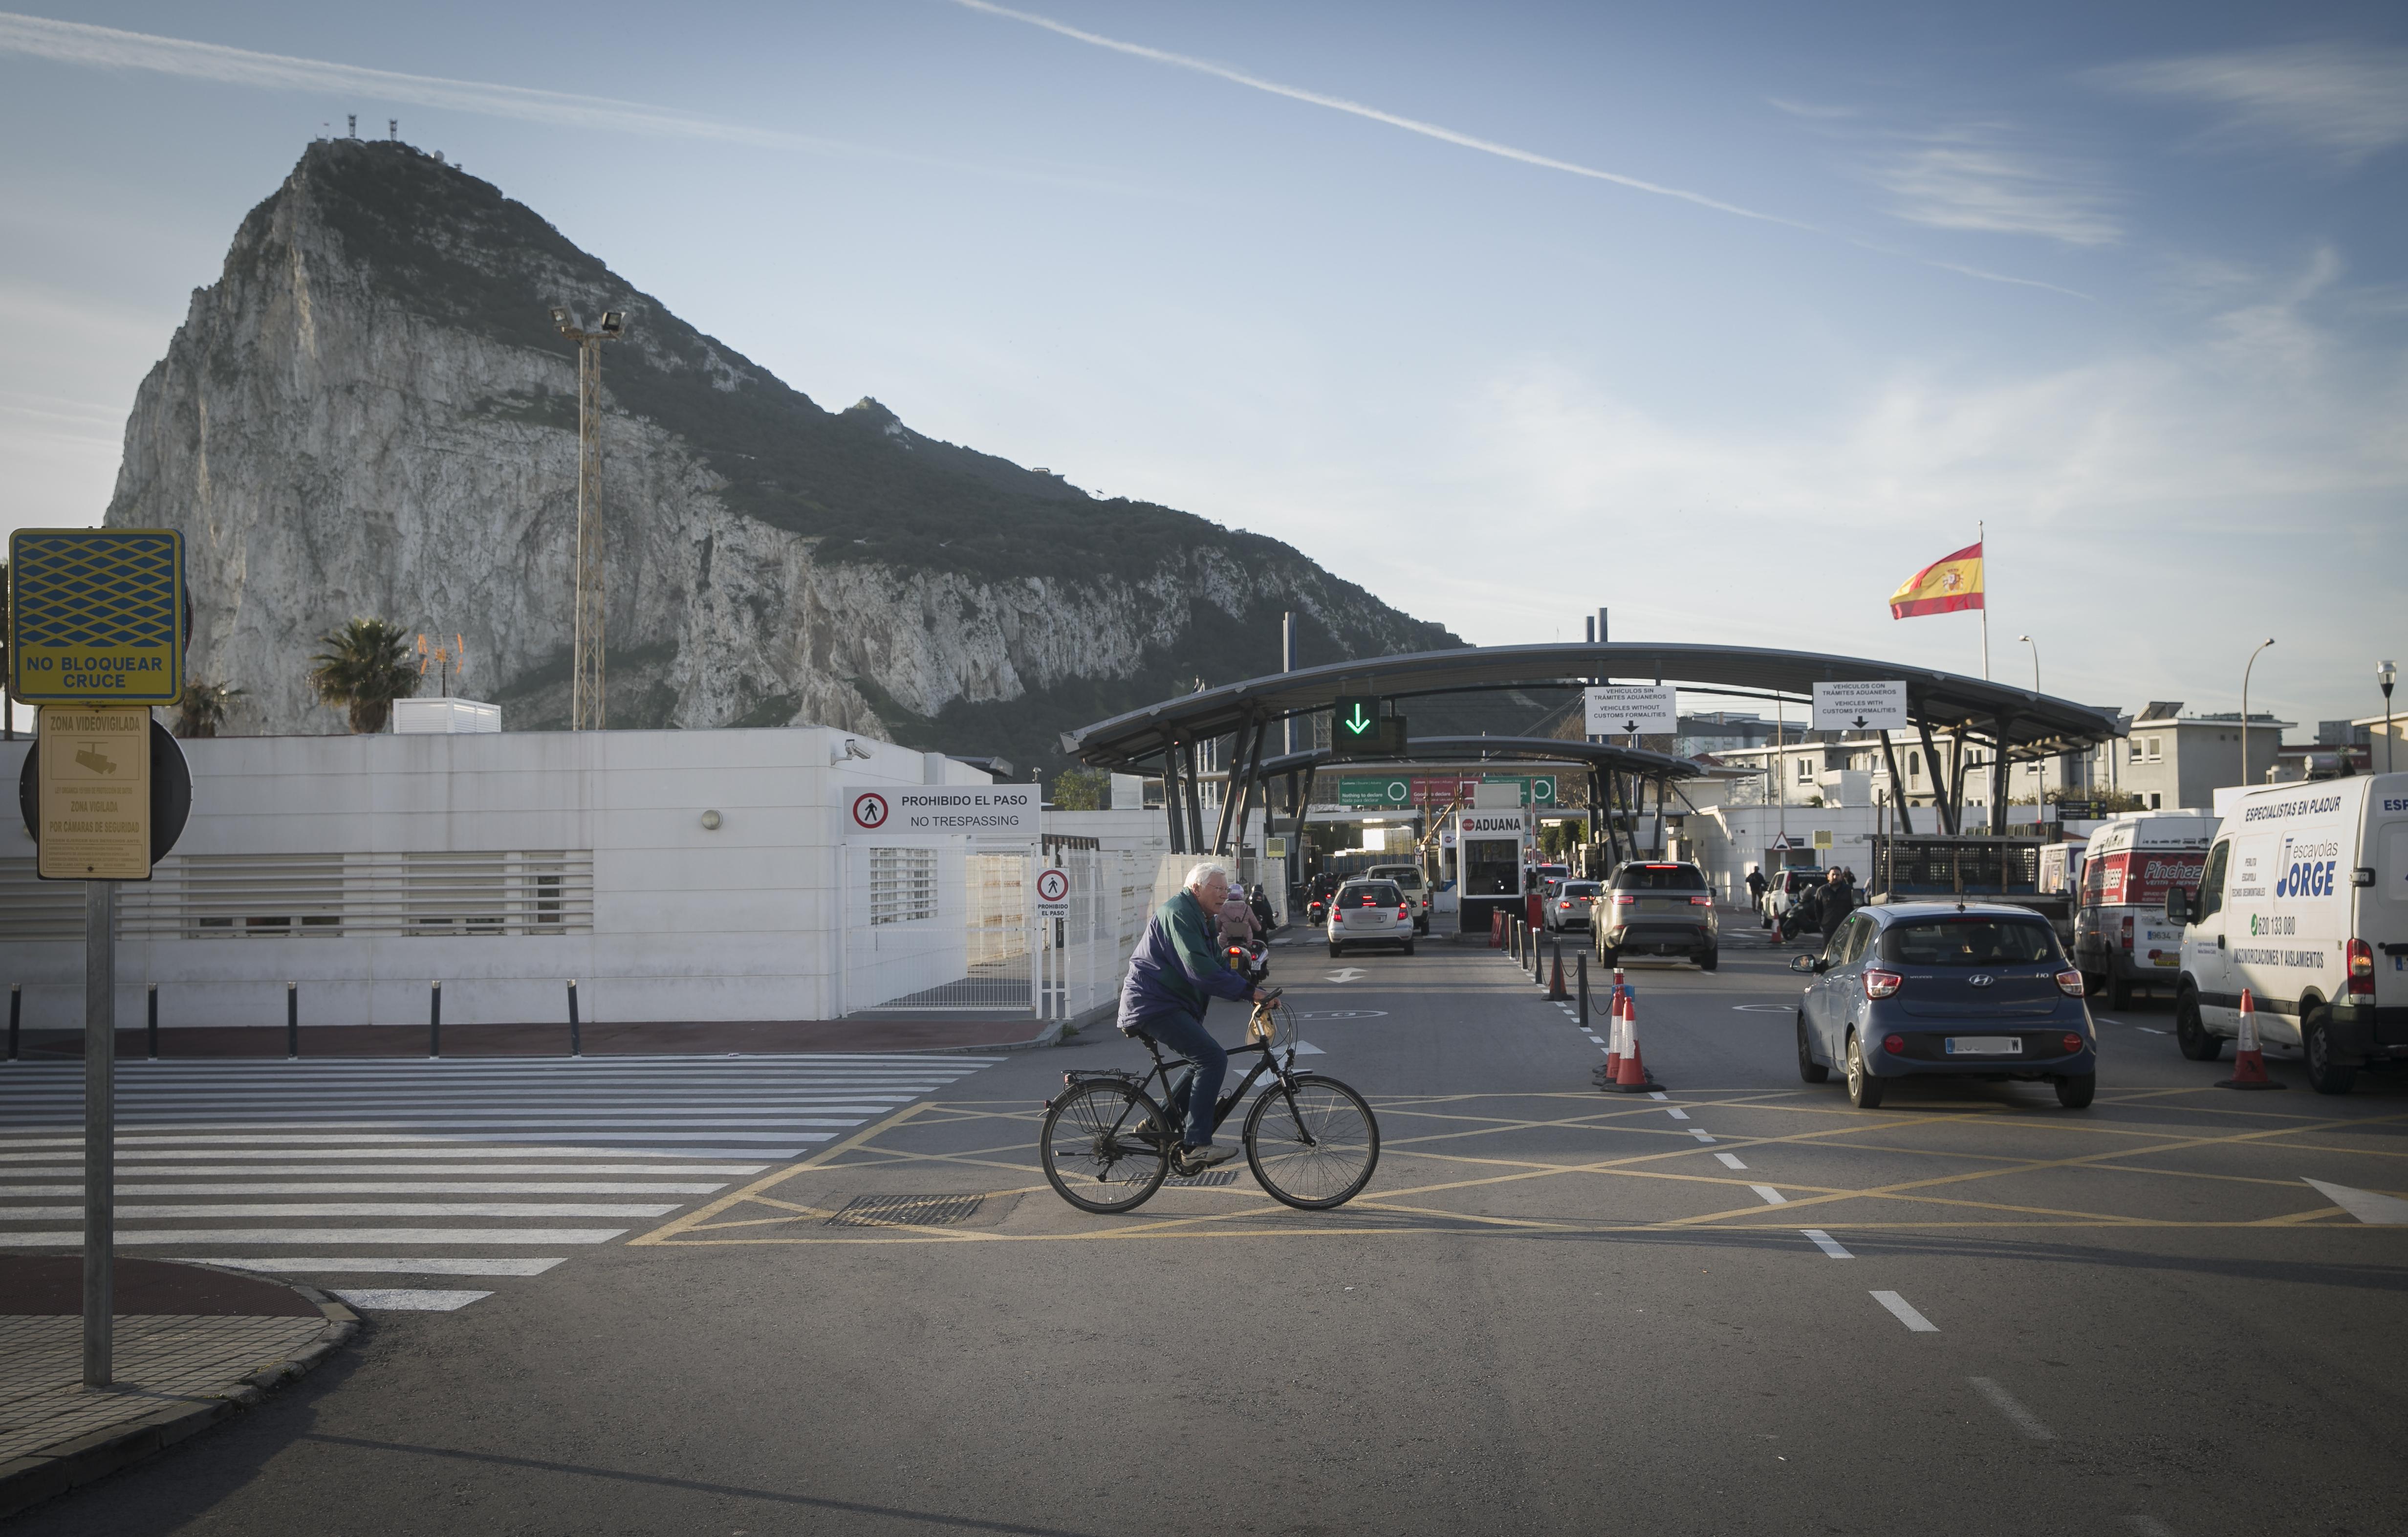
371, 412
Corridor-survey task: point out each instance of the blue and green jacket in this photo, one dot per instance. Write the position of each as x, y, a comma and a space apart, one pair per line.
1177, 967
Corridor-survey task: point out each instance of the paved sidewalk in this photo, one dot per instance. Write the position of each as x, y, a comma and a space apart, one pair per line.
192, 1345
889, 1033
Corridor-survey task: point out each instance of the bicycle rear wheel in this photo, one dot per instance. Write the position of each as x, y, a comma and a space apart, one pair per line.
1104, 1146
1313, 1146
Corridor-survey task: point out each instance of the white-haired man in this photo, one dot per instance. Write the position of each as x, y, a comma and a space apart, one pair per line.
1174, 974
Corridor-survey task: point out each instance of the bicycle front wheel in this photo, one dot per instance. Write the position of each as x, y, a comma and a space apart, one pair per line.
1312, 1143
1105, 1145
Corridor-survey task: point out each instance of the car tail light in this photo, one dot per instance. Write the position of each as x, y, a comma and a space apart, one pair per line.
1701, 901
1403, 912
2361, 969
2074, 1042
1623, 899
2070, 984
1881, 983
1894, 1044
2128, 931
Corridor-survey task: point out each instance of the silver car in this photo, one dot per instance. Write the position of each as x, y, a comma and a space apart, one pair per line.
1370, 912
1569, 903
1410, 882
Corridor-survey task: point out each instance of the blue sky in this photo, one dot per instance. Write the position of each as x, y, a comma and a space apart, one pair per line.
1729, 317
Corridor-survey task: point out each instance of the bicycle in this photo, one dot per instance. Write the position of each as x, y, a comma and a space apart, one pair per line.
1311, 1140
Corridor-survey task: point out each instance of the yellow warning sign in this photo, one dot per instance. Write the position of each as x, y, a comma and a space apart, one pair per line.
94, 784
96, 615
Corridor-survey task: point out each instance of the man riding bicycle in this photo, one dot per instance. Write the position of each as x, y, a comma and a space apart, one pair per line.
1176, 972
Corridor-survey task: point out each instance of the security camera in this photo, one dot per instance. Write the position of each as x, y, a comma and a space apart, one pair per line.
852, 749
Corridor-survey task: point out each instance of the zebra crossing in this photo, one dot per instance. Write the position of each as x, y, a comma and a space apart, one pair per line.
370, 1167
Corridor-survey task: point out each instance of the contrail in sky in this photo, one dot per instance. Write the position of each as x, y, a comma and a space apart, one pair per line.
1450, 135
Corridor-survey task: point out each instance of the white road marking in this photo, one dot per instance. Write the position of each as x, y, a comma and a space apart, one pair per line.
1306, 1048
417, 1238
1346, 974
1678, 1114
386, 1189
2148, 1526
2004, 1402
355, 1209
2365, 1205
1729, 1160
1659, 1095
1771, 1196
1762, 1009
1701, 1134
409, 1300
1824, 1241
319, 1266
2152, 1032
1905, 1313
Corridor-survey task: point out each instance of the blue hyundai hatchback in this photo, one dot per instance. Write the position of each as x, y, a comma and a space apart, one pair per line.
1932, 989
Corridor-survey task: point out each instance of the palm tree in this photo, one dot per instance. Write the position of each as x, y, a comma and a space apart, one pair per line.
202, 708
365, 668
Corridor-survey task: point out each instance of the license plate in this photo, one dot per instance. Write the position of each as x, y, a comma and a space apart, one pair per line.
1984, 1045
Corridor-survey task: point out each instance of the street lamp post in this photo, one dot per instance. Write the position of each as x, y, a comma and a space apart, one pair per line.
2385, 675
2244, 707
2035, 646
586, 666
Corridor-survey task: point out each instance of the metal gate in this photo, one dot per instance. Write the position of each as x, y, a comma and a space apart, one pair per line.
1085, 952
938, 929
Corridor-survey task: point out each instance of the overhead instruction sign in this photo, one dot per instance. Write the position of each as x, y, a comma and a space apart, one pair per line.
96, 615
94, 793
904, 811
1868, 704
1621, 709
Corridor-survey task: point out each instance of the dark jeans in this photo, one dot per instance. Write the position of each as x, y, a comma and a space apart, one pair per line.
1201, 1087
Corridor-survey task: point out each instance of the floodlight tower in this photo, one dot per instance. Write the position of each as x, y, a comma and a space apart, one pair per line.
585, 658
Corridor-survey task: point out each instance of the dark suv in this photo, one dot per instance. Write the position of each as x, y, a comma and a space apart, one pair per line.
1656, 908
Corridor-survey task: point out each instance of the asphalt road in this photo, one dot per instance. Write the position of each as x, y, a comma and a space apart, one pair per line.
1554, 1310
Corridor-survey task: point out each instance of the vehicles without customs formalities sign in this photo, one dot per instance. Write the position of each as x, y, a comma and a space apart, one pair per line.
1869, 704
96, 615
1621, 709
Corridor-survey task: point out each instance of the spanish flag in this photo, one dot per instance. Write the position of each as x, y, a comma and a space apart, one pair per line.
1948, 584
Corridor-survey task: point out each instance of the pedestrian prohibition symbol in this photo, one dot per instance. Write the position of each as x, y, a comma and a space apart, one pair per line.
869, 810
1052, 893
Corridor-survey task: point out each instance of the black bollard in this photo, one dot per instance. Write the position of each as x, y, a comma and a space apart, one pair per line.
1580, 967
154, 1026
434, 1020
293, 1022
576, 1047
15, 1010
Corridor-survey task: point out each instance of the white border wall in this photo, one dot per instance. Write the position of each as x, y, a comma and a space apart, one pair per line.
742, 921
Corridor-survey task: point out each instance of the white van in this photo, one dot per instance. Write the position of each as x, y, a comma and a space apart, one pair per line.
2303, 902
2122, 942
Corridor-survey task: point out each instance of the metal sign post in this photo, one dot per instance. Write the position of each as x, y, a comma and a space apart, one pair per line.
97, 624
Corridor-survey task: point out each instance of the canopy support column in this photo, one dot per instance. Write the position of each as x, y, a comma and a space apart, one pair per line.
1171, 799
1897, 786
1194, 798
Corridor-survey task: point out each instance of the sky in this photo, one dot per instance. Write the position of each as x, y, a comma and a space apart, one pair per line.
1727, 317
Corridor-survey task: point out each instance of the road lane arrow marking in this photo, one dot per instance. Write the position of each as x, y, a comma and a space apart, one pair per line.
1346, 974
2365, 1205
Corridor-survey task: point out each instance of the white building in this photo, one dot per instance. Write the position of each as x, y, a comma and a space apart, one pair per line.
675, 875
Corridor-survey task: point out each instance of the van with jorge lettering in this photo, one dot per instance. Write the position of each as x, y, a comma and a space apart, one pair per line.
2303, 902
2122, 943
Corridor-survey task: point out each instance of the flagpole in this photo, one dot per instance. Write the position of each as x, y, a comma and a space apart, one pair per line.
1981, 542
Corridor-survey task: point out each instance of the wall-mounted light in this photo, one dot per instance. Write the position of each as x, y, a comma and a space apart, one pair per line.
711, 822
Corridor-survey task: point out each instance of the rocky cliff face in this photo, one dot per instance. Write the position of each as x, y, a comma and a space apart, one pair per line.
371, 413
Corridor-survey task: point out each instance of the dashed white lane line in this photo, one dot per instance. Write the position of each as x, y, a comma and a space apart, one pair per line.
356, 1265
2004, 1402
2152, 1032
1703, 1135
1730, 1160
2148, 1526
1659, 1096
1825, 1243
409, 1299
1677, 1113
1904, 1309
1771, 1196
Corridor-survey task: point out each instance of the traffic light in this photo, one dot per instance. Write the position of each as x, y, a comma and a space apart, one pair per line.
1357, 729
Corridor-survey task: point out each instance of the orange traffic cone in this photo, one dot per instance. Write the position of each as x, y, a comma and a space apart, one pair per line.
1613, 1031
1556, 993
1630, 1074
2248, 1058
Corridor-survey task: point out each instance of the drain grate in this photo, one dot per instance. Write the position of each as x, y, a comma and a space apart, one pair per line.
906, 1212
1209, 1177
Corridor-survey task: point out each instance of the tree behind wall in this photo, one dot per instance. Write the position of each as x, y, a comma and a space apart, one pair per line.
364, 668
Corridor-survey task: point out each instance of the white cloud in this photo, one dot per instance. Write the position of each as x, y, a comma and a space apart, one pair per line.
1964, 184
2348, 99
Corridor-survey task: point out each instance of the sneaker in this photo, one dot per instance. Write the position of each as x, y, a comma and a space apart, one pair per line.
1195, 1160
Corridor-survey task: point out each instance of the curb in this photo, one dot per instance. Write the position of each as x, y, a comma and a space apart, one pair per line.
28, 1481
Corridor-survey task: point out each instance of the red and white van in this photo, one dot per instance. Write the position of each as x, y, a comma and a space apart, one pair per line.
2121, 939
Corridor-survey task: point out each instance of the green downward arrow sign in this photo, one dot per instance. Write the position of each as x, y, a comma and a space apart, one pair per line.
1358, 723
